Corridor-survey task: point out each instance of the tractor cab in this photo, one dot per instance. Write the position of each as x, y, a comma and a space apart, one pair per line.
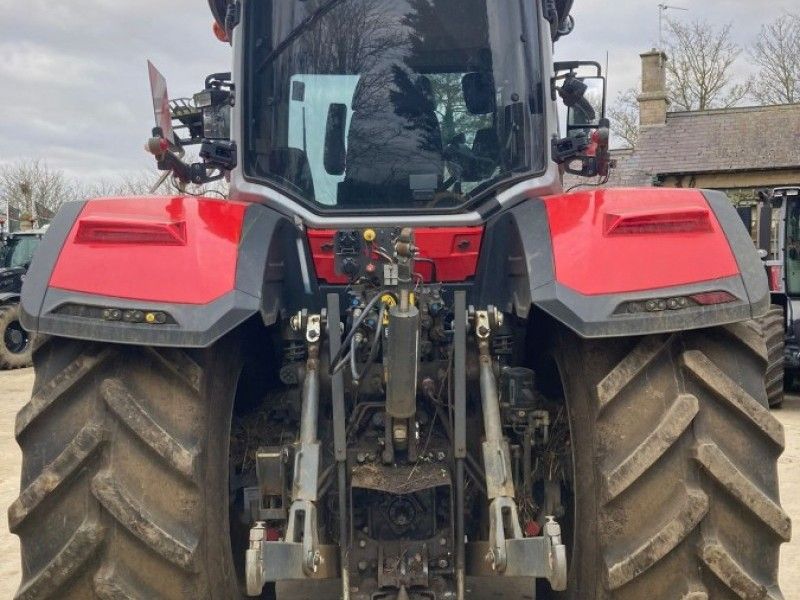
778, 239
18, 249
356, 107
788, 200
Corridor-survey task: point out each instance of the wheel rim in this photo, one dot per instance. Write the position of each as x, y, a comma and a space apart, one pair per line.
16, 338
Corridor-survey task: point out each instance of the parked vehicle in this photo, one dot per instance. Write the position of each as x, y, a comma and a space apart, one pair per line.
399, 362
16, 253
778, 239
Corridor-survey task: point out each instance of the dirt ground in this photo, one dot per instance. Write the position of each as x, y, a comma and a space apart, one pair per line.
15, 389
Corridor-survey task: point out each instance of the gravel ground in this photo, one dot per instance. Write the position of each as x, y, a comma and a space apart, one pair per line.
15, 389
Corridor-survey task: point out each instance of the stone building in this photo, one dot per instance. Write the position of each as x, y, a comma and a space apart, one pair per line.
738, 150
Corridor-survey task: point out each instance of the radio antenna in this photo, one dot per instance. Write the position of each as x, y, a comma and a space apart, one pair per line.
662, 10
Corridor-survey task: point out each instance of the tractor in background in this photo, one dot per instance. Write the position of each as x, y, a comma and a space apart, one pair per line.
16, 254
778, 241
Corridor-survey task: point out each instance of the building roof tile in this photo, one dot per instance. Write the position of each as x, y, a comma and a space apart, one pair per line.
733, 139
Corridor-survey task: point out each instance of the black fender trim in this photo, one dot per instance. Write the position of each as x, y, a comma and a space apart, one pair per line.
517, 273
259, 288
605, 316
34, 288
751, 267
196, 326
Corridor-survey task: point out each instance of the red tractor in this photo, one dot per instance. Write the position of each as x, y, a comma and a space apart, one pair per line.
398, 362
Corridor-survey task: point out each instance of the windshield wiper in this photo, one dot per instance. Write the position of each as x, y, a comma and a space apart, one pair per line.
297, 32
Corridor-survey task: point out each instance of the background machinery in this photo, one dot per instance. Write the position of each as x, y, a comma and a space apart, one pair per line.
778, 241
16, 253
398, 362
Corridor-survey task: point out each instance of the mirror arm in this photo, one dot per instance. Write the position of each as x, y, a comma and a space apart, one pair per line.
217, 155
574, 65
591, 151
570, 147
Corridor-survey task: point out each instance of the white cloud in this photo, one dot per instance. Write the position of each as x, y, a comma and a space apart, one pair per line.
75, 90
626, 28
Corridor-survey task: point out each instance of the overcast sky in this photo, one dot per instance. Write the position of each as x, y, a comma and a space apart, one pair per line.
73, 78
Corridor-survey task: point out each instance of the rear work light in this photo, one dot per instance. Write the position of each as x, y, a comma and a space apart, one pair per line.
111, 230
676, 303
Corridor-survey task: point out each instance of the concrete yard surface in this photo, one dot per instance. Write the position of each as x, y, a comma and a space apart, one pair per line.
15, 389
789, 470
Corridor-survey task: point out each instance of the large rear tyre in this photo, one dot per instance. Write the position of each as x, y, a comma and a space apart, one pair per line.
675, 456
16, 349
124, 477
773, 326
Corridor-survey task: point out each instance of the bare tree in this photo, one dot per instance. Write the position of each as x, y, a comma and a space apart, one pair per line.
700, 70
144, 184
32, 187
777, 54
624, 117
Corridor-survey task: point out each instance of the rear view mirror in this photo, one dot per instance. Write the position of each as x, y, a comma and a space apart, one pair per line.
335, 130
586, 101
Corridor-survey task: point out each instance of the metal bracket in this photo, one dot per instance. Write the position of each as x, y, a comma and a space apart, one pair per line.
482, 327
303, 530
507, 552
313, 329
558, 555
543, 557
485, 321
300, 555
503, 515
288, 560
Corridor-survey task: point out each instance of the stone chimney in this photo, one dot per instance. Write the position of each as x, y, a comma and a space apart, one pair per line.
653, 101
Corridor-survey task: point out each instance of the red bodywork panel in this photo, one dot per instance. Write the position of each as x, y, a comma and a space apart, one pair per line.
185, 250
612, 241
455, 250
161, 249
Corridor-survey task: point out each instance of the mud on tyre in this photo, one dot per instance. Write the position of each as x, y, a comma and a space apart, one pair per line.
124, 477
676, 452
773, 327
125, 491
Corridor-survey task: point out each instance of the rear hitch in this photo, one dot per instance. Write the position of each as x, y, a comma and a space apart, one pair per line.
299, 555
507, 553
